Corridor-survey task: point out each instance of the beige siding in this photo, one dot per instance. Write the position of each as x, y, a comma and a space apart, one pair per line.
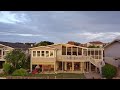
43, 60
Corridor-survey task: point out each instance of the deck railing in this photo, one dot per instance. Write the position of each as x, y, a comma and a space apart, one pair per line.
62, 57
95, 62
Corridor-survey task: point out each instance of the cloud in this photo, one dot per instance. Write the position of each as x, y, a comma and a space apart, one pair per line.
59, 26
12, 18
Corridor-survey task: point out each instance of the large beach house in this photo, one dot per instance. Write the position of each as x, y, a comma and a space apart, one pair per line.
67, 58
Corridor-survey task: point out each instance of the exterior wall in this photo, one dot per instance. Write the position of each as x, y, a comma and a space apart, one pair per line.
58, 57
111, 52
38, 60
43, 60
4, 49
112, 61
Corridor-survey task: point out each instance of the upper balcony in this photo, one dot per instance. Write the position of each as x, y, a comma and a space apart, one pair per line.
72, 58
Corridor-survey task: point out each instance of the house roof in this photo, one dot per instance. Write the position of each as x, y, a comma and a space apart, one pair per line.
42, 47
15, 45
52, 46
96, 42
116, 40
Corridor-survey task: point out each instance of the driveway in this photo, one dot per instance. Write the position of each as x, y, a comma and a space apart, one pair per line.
92, 75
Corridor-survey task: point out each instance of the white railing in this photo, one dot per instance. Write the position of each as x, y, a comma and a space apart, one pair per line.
97, 63
62, 57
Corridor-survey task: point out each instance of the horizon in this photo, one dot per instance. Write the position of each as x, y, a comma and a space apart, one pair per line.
59, 26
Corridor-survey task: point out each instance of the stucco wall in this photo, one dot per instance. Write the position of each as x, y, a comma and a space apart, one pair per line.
113, 50
112, 61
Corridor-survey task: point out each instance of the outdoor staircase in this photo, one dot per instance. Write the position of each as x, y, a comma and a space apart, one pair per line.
98, 63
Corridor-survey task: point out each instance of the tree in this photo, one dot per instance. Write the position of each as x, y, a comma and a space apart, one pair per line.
44, 43
109, 71
6, 68
16, 58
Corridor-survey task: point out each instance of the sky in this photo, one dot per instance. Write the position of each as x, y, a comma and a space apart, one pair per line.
59, 26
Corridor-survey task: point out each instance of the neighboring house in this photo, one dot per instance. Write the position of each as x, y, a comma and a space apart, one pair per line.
6, 47
66, 58
95, 43
112, 53
74, 43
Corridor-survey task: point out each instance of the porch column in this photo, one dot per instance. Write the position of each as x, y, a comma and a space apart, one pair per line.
42, 68
65, 65
72, 66
81, 66
62, 66
89, 67
102, 54
54, 67
84, 66
77, 51
82, 51
2, 53
71, 50
66, 50
31, 66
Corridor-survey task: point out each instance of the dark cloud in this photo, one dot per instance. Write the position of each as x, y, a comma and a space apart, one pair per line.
59, 27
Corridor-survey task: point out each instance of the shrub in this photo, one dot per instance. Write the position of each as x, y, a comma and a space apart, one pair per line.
109, 71
20, 72
6, 68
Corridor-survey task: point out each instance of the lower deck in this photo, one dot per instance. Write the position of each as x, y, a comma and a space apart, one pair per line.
66, 67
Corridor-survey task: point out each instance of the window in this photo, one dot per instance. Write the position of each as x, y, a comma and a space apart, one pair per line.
96, 52
51, 53
100, 52
34, 53
47, 53
38, 53
42, 53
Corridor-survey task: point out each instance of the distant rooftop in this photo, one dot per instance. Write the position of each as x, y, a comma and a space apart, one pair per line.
16, 45
96, 42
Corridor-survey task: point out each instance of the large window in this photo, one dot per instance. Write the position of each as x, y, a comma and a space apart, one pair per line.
42, 54
79, 51
47, 53
34, 53
51, 53
38, 53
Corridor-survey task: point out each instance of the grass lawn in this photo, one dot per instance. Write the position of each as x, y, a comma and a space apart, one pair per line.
52, 76
61, 76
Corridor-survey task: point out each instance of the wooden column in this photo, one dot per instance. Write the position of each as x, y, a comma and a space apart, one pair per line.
54, 67
82, 51
89, 67
83, 67
72, 66
2, 53
71, 51
62, 66
31, 66
77, 51
42, 68
86, 66
66, 50
65, 65
80, 67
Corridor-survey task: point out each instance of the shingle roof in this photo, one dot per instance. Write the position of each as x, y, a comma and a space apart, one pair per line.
96, 42
15, 45
116, 40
